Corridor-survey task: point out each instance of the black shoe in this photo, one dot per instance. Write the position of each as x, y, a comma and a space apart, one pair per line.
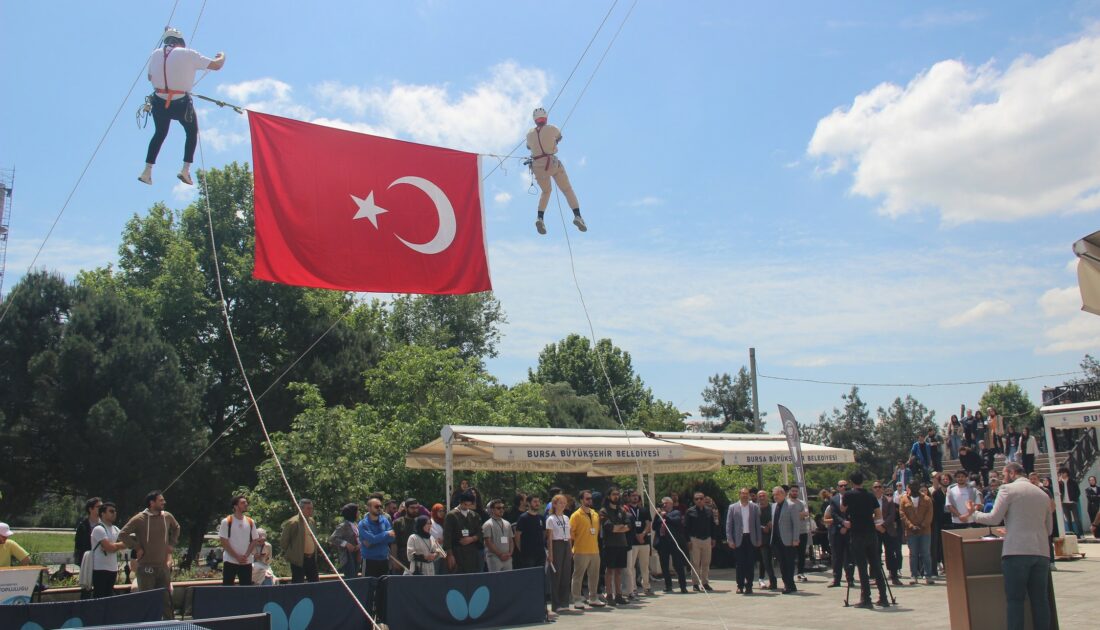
683, 590
834, 585
611, 601
895, 581
772, 587
695, 587
707, 588
865, 604
740, 590
620, 600
668, 589
882, 603
748, 591
789, 591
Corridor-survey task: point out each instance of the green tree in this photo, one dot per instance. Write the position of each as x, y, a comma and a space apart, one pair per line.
574, 361
566, 410
730, 402
898, 427
1013, 404
467, 323
29, 341
849, 427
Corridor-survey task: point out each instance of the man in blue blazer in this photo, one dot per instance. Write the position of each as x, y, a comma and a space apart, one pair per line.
743, 535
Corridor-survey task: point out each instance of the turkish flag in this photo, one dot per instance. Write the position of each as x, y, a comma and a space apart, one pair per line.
342, 210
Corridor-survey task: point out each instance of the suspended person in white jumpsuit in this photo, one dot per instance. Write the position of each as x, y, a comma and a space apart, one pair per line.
543, 141
172, 69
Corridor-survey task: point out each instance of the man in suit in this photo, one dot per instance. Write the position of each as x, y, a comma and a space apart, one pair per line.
1025, 563
838, 536
743, 535
890, 537
784, 536
668, 538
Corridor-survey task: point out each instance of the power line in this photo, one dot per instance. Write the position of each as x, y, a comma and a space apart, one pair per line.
949, 384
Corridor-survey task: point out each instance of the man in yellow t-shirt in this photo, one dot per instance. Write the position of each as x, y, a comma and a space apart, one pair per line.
584, 526
10, 549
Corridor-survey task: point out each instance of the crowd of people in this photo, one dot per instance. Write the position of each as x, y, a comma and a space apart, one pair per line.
596, 548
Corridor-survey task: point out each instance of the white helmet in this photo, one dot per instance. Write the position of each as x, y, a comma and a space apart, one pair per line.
171, 32
539, 115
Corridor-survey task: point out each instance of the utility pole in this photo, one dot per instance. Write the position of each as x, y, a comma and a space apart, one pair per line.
756, 411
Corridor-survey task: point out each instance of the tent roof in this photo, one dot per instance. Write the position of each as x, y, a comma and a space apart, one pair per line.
1072, 415
607, 452
1088, 272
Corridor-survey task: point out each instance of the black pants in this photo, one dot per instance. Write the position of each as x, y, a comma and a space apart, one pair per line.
103, 583
745, 555
179, 109
764, 558
305, 573
526, 562
891, 545
664, 550
803, 543
842, 557
864, 548
231, 570
1029, 463
785, 555
375, 568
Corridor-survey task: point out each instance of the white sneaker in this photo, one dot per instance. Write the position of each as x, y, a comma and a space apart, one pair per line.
540, 226
185, 177
801, 578
146, 178
579, 222
762, 584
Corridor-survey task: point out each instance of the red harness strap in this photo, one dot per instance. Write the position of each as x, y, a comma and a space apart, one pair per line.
167, 91
544, 154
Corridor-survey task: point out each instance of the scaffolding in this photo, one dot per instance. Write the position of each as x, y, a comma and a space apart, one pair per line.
7, 180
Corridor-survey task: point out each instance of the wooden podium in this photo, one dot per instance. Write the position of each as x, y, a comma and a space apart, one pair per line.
975, 583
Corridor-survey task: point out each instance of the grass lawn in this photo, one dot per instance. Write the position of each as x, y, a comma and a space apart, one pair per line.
44, 542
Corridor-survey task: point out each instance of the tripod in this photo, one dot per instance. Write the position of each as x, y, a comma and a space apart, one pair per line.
880, 575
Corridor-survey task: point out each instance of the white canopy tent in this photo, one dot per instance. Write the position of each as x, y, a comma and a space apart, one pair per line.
1088, 272
604, 453
1071, 416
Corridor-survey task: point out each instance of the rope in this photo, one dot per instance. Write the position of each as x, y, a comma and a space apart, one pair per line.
563, 85
79, 179
252, 396
600, 63
1001, 380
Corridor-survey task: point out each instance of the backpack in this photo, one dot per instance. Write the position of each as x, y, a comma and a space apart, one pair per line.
87, 563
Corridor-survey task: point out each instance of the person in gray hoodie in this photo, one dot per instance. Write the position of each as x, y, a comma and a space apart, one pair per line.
153, 533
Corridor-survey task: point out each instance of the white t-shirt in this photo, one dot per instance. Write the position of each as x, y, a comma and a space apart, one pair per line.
746, 514
181, 65
559, 527
957, 496
244, 532
103, 560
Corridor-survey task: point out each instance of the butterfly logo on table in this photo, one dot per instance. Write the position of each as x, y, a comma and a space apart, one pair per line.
462, 609
75, 622
299, 618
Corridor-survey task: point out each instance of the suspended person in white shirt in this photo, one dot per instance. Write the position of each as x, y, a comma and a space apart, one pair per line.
172, 69
542, 141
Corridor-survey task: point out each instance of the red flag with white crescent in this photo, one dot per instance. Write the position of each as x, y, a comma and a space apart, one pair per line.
343, 210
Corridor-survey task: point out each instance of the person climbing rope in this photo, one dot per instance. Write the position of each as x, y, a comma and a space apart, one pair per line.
172, 69
543, 141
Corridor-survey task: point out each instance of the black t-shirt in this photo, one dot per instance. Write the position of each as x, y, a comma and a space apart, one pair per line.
860, 510
639, 517
532, 535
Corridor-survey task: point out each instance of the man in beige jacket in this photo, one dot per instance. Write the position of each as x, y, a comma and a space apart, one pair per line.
543, 141
154, 533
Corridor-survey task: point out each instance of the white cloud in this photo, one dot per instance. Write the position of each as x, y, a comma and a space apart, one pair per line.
487, 117
975, 142
1069, 328
980, 313
831, 308
268, 95
502, 197
648, 200
63, 255
184, 193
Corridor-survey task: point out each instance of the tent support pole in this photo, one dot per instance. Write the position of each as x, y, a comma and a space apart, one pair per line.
1052, 459
449, 458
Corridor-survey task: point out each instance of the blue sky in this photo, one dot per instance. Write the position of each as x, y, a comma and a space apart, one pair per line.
864, 191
